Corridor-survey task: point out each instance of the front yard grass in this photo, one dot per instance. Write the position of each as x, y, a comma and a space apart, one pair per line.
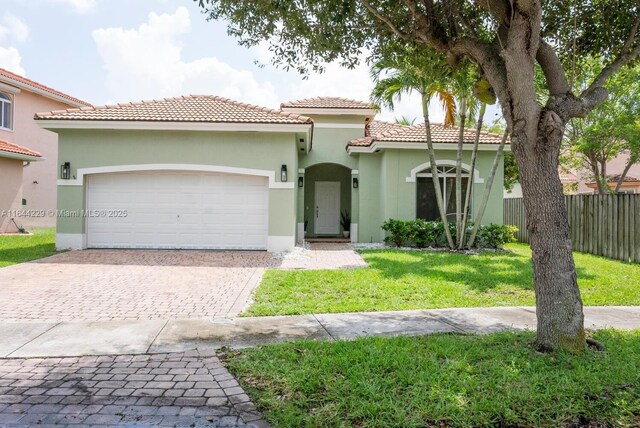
16, 249
443, 381
399, 280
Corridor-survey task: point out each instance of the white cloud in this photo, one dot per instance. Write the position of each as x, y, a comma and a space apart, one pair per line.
13, 28
79, 6
147, 62
10, 59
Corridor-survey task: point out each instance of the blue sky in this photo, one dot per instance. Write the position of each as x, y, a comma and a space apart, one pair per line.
107, 51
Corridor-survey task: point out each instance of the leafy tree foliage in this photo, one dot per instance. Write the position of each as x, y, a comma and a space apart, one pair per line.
612, 128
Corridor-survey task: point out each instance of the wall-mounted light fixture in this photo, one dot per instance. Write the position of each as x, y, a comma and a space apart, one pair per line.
355, 182
65, 171
283, 173
300, 181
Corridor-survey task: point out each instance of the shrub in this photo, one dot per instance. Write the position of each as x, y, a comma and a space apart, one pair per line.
399, 231
421, 234
495, 235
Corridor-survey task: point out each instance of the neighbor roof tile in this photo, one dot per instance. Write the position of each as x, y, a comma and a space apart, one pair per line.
14, 148
9, 77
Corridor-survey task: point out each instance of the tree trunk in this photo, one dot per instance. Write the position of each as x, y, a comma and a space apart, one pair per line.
558, 302
487, 190
472, 168
463, 119
434, 170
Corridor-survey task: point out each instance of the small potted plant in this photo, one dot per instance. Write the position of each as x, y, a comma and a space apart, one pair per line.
345, 222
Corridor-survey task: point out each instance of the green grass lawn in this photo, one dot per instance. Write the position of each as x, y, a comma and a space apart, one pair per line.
22, 248
443, 381
398, 280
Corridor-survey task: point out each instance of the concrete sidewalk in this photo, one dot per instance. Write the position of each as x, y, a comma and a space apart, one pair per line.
41, 339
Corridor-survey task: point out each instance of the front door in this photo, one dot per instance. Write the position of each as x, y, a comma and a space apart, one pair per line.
327, 221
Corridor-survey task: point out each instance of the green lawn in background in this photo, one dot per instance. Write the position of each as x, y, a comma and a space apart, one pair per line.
23, 248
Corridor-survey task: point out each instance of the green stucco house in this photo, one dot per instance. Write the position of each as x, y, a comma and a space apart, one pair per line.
204, 172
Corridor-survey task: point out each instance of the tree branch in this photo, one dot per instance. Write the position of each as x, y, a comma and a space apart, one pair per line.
553, 70
499, 9
404, 36
596, 93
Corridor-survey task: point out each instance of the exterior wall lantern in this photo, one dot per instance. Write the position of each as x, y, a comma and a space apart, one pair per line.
355, 182
300, 181
65, 171
283, 173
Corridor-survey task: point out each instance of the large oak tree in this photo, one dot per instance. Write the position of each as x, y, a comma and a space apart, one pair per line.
508, 40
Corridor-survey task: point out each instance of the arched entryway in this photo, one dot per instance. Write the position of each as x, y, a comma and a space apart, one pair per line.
327, 199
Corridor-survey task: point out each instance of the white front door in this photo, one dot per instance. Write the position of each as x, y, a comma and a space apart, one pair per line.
178, 210
327, 221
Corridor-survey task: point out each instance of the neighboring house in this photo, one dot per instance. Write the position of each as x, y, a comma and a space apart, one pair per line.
629, 184
615, 168
204, 172
20, 99
568, 179
13, 160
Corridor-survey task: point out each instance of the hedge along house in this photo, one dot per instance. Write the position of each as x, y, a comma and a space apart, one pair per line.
204, 172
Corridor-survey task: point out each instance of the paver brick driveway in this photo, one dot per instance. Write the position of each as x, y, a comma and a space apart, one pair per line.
186, 389
102, 285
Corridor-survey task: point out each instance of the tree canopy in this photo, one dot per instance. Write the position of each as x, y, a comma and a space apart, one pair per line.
305, 34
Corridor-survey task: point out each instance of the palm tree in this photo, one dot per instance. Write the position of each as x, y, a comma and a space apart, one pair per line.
405, 120
424, 72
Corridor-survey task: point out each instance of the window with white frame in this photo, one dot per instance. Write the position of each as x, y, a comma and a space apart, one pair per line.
5, 111
426, 206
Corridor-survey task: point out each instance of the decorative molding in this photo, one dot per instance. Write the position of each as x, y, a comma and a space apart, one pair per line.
19, 156
271, 175
445, 162
173, 126
300, 232
422, 146
8, 88
301, 171
331, 111
277, 244
354, 232
339, 125
355, 172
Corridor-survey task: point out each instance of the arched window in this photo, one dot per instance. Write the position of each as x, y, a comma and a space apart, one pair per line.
5, 111
426, 206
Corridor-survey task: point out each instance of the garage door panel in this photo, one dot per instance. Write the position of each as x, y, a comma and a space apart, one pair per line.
178, 210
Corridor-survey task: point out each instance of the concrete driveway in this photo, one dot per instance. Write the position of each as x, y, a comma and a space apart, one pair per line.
107, 285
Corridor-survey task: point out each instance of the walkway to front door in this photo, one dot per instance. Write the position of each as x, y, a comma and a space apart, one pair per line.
321, 255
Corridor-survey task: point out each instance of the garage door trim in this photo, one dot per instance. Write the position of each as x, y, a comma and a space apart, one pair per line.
270, 174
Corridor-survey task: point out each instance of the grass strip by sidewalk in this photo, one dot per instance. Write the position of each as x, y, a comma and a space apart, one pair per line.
400, 280
442, 380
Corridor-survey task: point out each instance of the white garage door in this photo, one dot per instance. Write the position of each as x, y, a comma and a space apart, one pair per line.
177, 210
